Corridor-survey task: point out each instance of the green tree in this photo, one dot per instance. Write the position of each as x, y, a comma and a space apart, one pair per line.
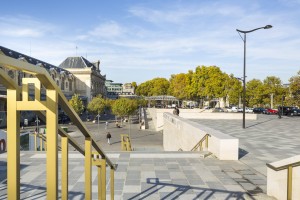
154, 87
134, 85
233, 89
255, 93
294, 97
77, 104
124, 107
97, 105
272, 89
179, 86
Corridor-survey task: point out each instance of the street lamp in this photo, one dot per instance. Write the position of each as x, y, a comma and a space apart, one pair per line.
244, 75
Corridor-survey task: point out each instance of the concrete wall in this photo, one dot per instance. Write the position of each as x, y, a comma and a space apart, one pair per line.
183, 134
277, 180
158, 120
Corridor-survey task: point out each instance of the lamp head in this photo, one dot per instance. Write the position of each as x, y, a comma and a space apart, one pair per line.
268, 26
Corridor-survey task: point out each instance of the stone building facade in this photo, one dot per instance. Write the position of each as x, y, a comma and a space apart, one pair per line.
89, 81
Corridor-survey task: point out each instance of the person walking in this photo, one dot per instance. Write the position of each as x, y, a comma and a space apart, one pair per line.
279, 112
108, 136
106, 125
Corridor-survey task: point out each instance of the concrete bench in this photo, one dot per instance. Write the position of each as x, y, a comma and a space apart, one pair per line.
179, 133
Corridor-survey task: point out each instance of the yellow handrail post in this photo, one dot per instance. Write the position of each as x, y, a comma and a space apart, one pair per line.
13, 147
35, 142
52, 153
103, 178
112, 183
206, 141
64, 168
41, 142
88, 168
289, 182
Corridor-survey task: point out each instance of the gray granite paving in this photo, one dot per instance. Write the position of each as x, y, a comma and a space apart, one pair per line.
173, 175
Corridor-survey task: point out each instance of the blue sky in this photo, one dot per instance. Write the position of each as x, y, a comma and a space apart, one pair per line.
139, 40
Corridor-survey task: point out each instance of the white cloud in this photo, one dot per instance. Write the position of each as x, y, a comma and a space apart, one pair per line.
23, 26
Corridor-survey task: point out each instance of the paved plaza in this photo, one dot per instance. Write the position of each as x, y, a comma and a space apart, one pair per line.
152, 174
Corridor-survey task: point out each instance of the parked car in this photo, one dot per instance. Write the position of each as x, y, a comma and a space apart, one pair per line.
218, 110
270, 111
293, 112
249, 110
286, 109
258, 110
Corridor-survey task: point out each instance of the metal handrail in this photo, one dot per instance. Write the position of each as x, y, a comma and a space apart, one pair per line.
199, 144
289, 168
45, 79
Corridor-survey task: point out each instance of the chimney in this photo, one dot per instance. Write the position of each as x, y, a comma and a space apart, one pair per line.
98, 65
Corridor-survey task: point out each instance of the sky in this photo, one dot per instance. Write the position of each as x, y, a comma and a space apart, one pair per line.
138, 40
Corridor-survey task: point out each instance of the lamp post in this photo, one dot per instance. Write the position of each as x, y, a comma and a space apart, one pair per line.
244, 74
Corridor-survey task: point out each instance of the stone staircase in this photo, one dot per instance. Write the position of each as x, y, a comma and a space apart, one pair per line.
149, 175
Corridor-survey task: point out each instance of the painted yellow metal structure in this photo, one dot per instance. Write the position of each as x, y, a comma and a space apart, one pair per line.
199, 145
18, 100
289, 169
125, 143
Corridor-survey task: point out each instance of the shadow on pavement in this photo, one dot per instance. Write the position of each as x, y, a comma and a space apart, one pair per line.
202, 193
261, 122
242, 153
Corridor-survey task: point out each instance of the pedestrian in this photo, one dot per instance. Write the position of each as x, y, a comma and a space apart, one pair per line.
108, 136
177, 111
106, 125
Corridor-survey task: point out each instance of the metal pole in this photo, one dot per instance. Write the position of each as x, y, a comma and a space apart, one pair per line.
244, 81
98, 124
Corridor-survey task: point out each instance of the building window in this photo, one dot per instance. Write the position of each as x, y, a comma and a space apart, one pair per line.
67, 85
70, 86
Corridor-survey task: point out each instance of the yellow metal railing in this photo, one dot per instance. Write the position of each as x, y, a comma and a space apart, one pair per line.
18, 100
125, 142
199, 145
289, 168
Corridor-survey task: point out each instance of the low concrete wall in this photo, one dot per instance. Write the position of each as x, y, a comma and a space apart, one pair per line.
184, 134
277, 180
158, 120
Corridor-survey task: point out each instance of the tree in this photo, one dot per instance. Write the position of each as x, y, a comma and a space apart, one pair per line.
255, 93
179, 86
124, 107
233, 89
97, 105
154, 87
77, 104
294, 89
272, 89
134, 85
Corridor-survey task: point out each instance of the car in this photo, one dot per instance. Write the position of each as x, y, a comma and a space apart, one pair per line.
270, 111
293, 112
218, 110
285, 110
249, 110
258, 110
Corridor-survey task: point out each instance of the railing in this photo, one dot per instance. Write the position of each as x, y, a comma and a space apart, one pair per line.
18, 100
199, 144
289, 168
125, 143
